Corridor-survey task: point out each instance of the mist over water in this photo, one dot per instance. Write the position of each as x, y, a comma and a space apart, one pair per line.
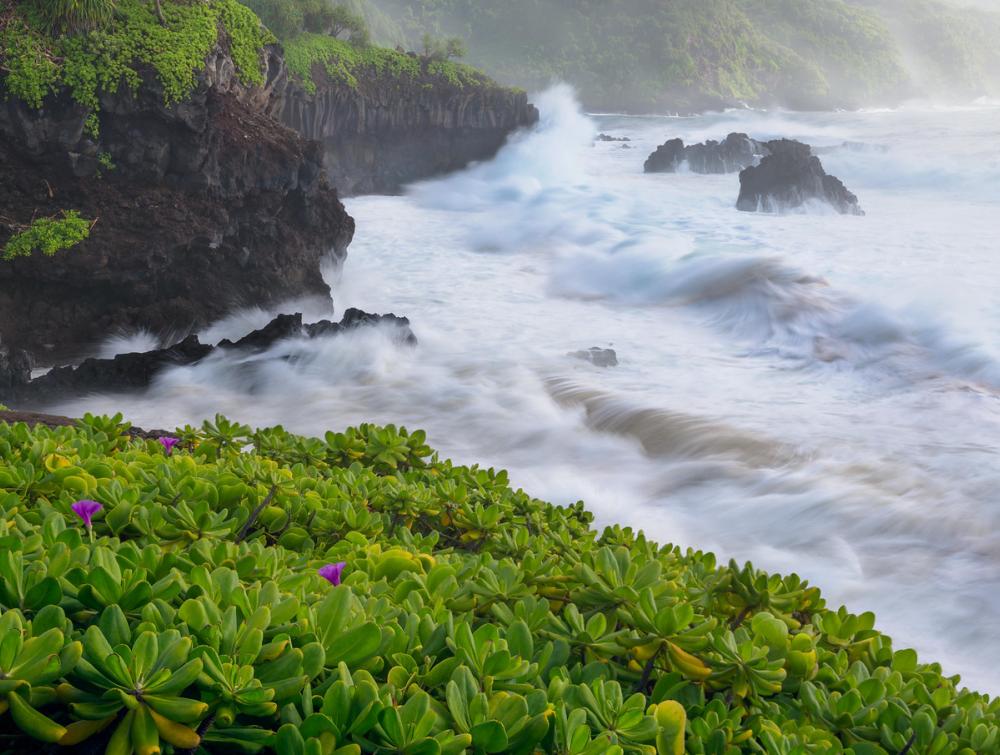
816, 393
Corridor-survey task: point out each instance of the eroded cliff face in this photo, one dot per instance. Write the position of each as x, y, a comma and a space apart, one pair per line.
210, 205
380, 133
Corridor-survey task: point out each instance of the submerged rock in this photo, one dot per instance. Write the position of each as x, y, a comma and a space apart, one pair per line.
597, 356
133, 372
609, 138
15, 368
732, 154
790, 176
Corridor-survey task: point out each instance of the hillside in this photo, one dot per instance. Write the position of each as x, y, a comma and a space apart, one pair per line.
646, 55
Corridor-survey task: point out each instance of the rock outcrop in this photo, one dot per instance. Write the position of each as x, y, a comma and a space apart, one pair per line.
15, 368
597, 356
379, 135
789, 177
732, 154
134, 372
197, 208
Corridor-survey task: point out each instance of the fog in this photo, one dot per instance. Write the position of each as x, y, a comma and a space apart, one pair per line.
692, 55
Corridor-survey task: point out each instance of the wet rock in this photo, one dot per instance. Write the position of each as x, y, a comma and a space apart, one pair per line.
667, 158
609, 138
211, 205
597, 356
734, 153
125, 372
15, 368
789, 177
134, 372
378, 136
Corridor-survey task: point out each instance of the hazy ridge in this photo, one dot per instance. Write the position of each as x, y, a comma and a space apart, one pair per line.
651, 55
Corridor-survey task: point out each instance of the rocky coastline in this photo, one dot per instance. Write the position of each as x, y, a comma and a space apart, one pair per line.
227, 199
378, 136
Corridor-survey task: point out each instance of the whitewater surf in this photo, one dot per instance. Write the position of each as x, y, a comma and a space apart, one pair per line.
813, 392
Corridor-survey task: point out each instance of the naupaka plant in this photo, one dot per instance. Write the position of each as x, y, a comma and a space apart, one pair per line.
252, 591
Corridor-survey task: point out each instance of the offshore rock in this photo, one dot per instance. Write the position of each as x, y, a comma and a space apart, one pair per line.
732, 154
135, 372
198, 208
789, 177
597, 356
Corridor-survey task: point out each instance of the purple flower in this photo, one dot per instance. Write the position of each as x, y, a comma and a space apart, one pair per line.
168, 444
331, 572
86, 510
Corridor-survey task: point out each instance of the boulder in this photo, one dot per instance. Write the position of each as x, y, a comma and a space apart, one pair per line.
667, 158
15, 368
597, 356
134, 372
609, 138
732, 154
787, 178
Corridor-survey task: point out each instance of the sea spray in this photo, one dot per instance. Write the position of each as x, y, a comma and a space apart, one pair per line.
815, 395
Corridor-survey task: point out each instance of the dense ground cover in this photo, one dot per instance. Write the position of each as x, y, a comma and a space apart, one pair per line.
36, 60
346, 63
241, 591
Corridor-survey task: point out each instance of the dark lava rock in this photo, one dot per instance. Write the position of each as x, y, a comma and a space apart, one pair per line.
125, 372
356, 318
15, 368
609, 138
211, 205
667, 158
379, 135
134, 372
597, 356
787, 178
734, 153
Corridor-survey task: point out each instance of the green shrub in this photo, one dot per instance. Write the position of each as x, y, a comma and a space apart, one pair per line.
264, 592
36, 62
289, 18
347, 63
48, 236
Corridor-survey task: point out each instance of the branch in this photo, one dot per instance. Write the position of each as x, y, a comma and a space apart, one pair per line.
245, 529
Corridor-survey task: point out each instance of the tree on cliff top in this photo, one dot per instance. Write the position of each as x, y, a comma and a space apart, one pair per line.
289, 18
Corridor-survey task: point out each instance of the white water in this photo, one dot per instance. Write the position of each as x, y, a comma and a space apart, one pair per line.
812, 392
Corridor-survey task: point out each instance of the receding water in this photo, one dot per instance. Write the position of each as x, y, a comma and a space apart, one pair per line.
811, 392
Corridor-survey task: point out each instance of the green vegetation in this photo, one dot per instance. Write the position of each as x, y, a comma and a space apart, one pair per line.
262, 592
48, 236
288, 18
75, 15
346, 63
35, 62
319, 35
687, 54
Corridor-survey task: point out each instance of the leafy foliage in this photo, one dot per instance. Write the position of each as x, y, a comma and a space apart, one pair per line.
289, 18
36, 62
348, 63
48, 236
470, 617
